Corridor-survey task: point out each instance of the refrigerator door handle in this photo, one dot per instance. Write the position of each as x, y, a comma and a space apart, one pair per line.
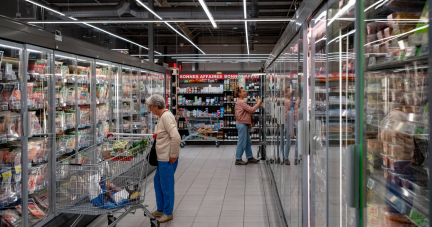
303, 137
352, 174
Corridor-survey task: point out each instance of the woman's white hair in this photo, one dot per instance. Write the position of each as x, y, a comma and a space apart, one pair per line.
156, 100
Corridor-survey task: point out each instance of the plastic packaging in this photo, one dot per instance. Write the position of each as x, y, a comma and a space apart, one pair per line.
14, 126
400, 166
4, 121
386, 160
396, 178
401, 152
394, 219
374, 146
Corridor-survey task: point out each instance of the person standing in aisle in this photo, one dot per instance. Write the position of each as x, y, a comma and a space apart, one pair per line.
167, 150
243, 117
289, 106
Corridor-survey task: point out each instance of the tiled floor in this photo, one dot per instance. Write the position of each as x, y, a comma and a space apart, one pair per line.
213, 192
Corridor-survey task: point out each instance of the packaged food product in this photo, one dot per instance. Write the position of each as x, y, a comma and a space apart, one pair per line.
395, 219
15, 98
38, 95
14, 126
415, 98
35, 210
60, 120
396, 178
387, 135
35, 126
401, 152
37, 66
70, 118
32, 180
386, 160
400, 166
6, 93
4, 121
374, 146
71, 95
10, 217
375, 159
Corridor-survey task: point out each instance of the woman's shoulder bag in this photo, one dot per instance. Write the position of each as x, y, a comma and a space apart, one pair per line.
152, 156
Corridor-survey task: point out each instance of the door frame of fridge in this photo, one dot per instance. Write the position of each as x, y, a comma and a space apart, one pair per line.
430, 108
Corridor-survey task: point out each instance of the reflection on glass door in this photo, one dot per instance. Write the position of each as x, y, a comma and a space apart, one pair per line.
317, 111
396, 127
103, 82
341, 83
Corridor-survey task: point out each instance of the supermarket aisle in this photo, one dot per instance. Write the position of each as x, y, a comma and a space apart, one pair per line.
213, 192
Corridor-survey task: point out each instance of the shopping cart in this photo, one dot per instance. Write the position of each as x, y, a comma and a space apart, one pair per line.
198, 127
106, 179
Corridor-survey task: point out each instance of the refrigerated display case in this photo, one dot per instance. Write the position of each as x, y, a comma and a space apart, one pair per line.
69, 104
396, 113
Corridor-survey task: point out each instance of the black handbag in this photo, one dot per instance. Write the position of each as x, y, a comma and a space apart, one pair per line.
152, 156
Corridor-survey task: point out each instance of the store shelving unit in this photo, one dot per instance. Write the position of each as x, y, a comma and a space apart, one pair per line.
226, 85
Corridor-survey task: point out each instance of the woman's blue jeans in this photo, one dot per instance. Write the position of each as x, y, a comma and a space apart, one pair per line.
164, 186
244, 142
288, 144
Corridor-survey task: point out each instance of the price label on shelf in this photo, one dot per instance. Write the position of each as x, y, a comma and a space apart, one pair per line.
371, 184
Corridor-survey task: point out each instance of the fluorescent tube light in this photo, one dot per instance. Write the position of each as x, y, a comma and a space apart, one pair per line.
74, 19
233, 20
178, 55
217, 57
244, 9
61, 56
119, 49
34, 51
147, 8
342, 36
247, 37
381, 4
151, 11
12, 47
209, 15
55, 11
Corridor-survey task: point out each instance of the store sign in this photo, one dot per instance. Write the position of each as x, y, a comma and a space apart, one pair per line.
250, 76
208, 76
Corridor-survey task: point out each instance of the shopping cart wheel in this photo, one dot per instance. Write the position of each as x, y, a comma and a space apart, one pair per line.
182, 144
154, 223
111, 219
217, 144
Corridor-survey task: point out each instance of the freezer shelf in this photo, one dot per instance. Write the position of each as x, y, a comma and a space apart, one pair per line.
414, 206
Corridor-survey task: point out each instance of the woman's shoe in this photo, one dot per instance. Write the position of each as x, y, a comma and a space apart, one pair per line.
240, 162
296, 162
287, 162
165, 218
157, 213
253, 160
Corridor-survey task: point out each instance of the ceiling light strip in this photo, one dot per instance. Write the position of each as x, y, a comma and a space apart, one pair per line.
178, 55
234, 20
246, 28
76, 20
207, 11
151, 11
55, 11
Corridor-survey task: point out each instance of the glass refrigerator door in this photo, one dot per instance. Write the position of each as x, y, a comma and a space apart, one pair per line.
103, 82
116, 98
40, 103
396, 113
145, 94
341, 126
318, 109
136, 106
11, 115
65, 87
126, 106
86, 104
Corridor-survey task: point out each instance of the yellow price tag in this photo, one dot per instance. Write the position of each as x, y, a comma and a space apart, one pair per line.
18, 169
370, 157
7, 174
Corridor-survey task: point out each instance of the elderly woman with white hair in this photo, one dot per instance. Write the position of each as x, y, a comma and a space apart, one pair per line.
167, 150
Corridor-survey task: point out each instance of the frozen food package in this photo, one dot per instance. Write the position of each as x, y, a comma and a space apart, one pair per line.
70, 118
71, 95
42, 199
396, 219
36, 66
32, 180
83, 71
386, 160
41, 179
12, 126
35, 125
6, 93
400, 166
15, 98
4, 121
83, 93
401, 152
60, 120
58, 65
35, 210
10, 217
374, 146
6, 176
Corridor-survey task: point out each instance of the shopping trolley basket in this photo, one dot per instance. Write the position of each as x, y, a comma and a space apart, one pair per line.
106, 179
201, 127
